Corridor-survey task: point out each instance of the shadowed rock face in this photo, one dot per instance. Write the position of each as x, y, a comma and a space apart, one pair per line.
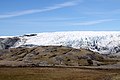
48, 56
6, 43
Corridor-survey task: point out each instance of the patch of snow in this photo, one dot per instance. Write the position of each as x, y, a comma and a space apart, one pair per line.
6, 36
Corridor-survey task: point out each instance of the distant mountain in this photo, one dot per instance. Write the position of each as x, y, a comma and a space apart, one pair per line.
104, 42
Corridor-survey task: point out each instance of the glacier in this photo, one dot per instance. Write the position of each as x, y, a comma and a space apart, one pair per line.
104, 42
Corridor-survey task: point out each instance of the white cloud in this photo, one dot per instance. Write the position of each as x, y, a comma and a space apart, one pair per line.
93, 22
57, 6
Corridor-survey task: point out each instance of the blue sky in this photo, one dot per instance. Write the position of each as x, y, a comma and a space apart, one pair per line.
18, 17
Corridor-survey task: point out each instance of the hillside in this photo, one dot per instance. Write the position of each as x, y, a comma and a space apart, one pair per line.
104, 42
50, 56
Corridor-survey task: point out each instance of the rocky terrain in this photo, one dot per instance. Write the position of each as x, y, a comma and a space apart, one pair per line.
52, 56
6, 43
62, 49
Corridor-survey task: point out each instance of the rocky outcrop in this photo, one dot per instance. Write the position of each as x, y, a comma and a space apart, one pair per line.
6, 43
29, 35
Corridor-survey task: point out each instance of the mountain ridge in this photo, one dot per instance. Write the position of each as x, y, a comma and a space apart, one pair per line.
104, 42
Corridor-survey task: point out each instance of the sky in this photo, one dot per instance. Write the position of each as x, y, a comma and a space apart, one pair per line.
18, 17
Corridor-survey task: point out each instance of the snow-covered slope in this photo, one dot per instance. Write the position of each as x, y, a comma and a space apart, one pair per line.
99, 41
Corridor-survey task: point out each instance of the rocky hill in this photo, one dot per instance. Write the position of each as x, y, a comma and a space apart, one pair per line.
50, 56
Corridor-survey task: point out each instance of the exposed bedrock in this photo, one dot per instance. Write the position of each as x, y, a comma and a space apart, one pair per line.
6, 43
